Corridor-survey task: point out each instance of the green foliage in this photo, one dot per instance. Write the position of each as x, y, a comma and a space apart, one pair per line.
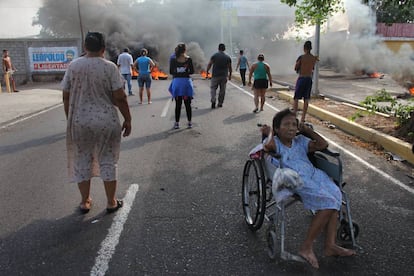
392, 11
356, 115
314, 11
402, 112
380, 96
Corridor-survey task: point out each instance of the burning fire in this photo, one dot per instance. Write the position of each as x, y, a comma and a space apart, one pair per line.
156, 74
375, 75
134, 73
204, 75
411, 91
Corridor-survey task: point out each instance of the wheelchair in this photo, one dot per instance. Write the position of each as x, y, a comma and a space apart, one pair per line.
259, 204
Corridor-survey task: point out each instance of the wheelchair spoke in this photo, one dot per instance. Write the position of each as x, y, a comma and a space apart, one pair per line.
253, 194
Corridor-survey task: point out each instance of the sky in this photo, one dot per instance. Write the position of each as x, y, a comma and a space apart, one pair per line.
16, 18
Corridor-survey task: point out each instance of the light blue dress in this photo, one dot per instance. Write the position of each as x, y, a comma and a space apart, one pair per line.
319, 191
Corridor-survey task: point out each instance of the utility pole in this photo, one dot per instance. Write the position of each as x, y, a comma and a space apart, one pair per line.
315, 85
81, 26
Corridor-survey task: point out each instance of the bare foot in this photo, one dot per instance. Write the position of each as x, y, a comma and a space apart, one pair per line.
336, 250
310, 257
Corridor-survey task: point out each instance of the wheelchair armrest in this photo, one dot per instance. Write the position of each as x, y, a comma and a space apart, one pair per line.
330, 153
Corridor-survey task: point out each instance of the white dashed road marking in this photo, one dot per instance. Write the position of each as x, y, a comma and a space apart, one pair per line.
165, 109
112, 239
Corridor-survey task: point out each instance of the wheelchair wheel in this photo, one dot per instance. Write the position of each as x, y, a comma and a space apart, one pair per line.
344, 232
271, 244
254, 194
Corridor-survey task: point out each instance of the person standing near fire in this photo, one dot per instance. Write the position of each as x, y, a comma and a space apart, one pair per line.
243, 64
8, 69
92, 95
125, 63
181, 88
144, 66
304, 67
262, 80
222, 70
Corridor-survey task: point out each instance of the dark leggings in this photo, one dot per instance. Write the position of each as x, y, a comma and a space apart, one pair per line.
178, 103
243, 76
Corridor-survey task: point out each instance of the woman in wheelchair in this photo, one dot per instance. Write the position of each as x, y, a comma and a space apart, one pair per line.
319, 192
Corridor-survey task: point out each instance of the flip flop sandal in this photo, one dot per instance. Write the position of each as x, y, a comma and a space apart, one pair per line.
82, 208
119, 204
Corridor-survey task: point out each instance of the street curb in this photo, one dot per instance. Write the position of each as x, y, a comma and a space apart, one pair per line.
389, 143
26, 116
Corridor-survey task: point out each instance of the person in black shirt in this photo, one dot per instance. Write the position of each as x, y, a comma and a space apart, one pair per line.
222, 70
181, 87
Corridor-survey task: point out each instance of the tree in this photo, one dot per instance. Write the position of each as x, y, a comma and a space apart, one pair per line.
314, 11
392, 11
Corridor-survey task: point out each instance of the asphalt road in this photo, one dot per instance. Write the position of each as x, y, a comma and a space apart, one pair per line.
182, 190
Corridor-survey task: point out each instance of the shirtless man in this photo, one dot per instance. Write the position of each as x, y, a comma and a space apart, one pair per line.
304, 67
8, 69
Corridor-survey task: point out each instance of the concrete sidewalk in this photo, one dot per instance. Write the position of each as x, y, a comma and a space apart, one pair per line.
31, 99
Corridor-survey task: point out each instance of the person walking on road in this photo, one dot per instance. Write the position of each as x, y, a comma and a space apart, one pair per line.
222, 70
92, 89
181, 88
125, 63
304, 67
262, 80
243, 64
144, 65
8, 70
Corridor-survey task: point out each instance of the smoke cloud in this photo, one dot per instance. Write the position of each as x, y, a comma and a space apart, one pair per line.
357, 47
156, 25
348, 41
